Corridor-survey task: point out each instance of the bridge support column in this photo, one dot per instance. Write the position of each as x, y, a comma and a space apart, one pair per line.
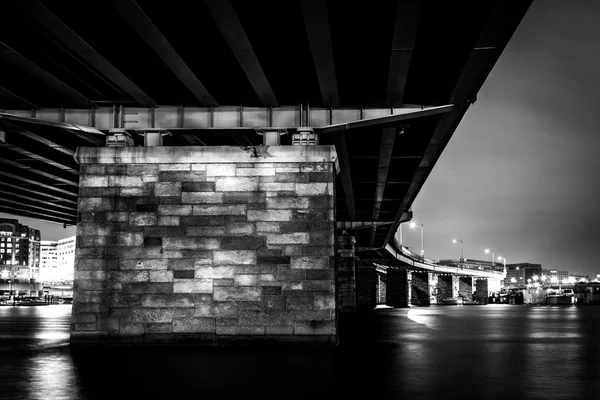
381, 288
205, 244
444, 287
465, 287
367, 287
346, 270
397, 288
481, 291
420, 288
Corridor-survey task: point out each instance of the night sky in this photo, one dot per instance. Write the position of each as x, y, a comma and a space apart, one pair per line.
521, 174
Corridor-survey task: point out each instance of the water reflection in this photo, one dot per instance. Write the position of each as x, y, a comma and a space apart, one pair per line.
492, 352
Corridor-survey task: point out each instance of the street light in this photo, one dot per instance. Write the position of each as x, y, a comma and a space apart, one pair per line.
461, 247
413, 225
488, 251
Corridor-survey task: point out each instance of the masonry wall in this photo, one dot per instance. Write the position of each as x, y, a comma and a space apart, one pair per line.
397, 288
346, 271
420, 289
205, 245
481, 291
367, 287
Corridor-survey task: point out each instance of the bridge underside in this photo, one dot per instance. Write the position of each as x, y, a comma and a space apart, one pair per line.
382, 86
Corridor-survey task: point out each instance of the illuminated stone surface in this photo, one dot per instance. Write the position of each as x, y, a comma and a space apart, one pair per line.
211, 243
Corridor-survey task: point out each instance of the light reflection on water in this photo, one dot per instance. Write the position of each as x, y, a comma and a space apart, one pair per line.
494, 351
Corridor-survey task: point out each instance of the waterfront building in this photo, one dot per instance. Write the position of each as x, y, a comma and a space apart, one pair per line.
578, 278
556, 276
57, 263
519, 275
19, 258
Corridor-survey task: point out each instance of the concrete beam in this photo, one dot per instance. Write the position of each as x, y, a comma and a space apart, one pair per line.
316, 19
225, 17
12, 56
405, 31
131, 12
67, 37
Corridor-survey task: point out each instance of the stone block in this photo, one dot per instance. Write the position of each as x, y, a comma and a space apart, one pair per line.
136, 191
319, 274
242, 242
131, 239
130, 276
134, 252
210, 272
269, 215
236, 293
244, 197
142, 219
240, 330
198, 243
287, 202
237, 184
167, 189
142, 169
183, 274
276, 187
288, 238
168, 221
152, 241
220, 170
300, 303
181, 176
148, 287
240, 228
124, 181
272, 259
150, 315
176, 300
237, 209
199, 167
149, 264
174, 210
96, 204
267, 226
246, 280
197, 186
264, 171
201, 197
285, 274
309, 262
205, 231
93, 181
179, 263
316, 167
194, 325
324, 302
192, 286
161, 276
221, 257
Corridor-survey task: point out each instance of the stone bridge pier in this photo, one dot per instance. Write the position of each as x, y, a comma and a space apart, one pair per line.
209, 245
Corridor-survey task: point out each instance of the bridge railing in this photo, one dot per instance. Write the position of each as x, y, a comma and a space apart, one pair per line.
435, 263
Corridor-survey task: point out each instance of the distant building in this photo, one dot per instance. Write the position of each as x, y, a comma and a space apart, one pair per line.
518, 275
556, 276
574, 278
19, 258
58, 260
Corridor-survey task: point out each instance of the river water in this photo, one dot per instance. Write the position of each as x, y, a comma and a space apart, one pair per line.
440, 352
